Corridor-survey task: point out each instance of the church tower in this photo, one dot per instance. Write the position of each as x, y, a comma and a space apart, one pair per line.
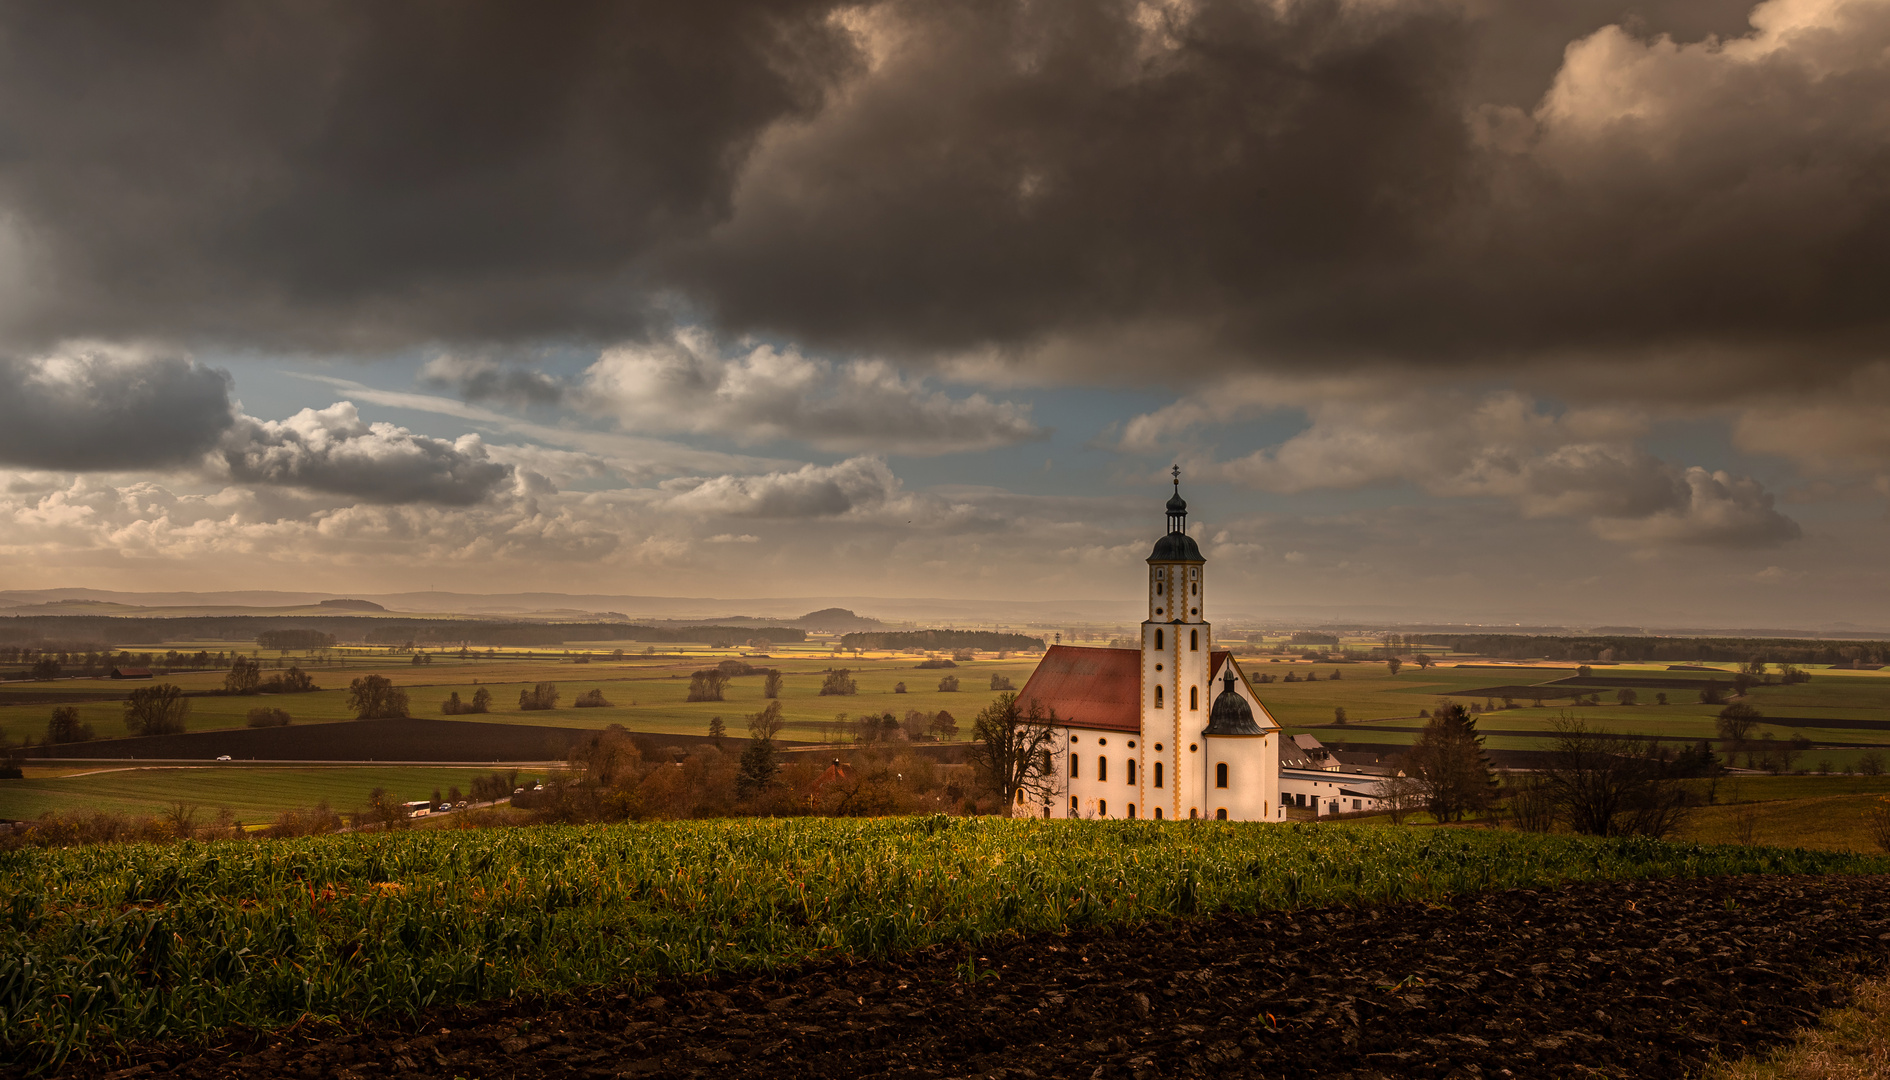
1177, 644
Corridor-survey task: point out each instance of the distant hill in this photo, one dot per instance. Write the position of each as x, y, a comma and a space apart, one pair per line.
835, 620
352, 605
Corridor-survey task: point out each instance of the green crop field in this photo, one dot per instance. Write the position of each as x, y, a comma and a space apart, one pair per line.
137, 941
254, 794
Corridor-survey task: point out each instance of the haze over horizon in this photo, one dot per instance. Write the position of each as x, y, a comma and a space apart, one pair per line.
1449, 310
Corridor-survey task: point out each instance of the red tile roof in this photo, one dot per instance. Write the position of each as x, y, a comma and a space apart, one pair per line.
1087, 687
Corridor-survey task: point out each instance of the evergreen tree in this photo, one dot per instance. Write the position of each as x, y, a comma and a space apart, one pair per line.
1448, 761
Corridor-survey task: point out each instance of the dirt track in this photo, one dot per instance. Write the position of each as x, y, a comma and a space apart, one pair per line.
1623, 979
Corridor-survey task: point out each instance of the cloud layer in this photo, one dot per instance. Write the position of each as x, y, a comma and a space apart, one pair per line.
1081, 186
687, 385
1579, 463
100, 407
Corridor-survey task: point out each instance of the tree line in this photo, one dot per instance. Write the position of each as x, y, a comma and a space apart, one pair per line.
1641, 649
985, 640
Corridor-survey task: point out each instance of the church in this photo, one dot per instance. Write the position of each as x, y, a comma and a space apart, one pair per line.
1170, 730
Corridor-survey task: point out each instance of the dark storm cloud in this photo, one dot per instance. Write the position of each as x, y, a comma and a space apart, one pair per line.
1331, 180
369, 174
91, 408
1468, 182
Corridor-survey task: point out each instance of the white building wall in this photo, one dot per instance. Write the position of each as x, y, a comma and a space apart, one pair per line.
1092, 793
1324, 790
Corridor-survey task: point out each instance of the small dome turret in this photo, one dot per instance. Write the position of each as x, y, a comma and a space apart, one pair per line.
1232, 715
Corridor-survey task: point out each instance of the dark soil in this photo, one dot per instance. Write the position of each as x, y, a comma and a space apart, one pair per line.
1640, 979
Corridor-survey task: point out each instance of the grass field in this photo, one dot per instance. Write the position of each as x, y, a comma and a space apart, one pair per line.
1383, 709
646, 694
134, 941
254, 794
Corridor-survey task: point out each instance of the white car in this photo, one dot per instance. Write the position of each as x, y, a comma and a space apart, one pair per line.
223, 757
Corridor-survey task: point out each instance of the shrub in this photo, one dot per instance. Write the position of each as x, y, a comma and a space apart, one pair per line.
1001, 682
268, 716
927, 664
948, 684
899, 688
590, 699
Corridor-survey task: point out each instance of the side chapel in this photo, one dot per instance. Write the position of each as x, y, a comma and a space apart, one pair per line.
1169, 731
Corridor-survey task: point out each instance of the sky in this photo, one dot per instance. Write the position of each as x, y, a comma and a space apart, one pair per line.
1448, 310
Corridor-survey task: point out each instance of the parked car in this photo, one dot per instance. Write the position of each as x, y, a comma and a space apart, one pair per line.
223, 757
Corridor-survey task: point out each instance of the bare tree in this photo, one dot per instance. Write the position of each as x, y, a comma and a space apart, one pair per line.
1393, 664
244, 676
771, 684
707, 684
1606, 785
1735, 724
157, 710
1401, 795
1878, 818
373, 697
1014, 751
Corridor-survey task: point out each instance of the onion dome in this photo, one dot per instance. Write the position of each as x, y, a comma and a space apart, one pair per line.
1232, 715
1176, 547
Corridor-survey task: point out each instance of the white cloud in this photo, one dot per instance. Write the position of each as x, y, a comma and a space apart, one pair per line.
687, 385
854, 485
333, 450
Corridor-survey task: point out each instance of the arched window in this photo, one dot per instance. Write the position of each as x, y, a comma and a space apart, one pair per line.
1102, 768
1158, 639
1072, 806
1194, 641
1158, 588
1220, 775
1158, 697
1102, 807
1194, 697
1073, 760
1158, 774
1193, 813
1131, 809
1195, 588
1158, 813
1221, 814
1131, 770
